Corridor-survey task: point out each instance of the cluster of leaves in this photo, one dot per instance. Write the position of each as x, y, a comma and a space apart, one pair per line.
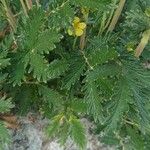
98, 78
5, 102
5, 106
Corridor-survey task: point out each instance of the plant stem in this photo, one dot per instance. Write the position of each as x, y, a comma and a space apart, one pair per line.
29, 4
83, 37
32, 83
83, 41
143, 43
10, 17
131, 123
86, 60
102, 25
24, 8
37, 3
74, 43
110, 16
116, 16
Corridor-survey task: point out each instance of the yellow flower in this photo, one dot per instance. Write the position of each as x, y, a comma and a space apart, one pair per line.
77, 28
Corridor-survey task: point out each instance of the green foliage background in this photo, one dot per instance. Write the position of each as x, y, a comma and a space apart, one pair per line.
41, 70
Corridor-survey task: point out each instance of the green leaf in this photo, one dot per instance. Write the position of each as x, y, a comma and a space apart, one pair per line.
17, 74
57, 68
138, 80
110, 139
102, 56
118, 105
143, 112
76, 68
31, 27
4, 136
77, 132
46, 41
5, 45
135, 138
93, 100
54, 126
4, 61
5, 105
64, 133
61, 15
50, 95
52, 101
2, 77
26, 98
106, 86
39, 66
94, 4
101, 51
78, 105
104, 71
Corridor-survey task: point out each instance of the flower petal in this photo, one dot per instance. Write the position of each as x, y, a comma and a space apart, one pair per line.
76, 20
70, 32
82, 25
78, 32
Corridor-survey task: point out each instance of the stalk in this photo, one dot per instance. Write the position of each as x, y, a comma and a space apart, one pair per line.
29, 4
74, 43
37, 3
143, 43
24, 8
116, 16
103, 26
83, 41
83, 37
111, 15
10, 17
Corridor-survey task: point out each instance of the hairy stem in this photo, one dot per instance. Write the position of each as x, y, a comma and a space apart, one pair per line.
37, 3
83, 37
86, 60
143, 43
24, 8
10, 17
74, 42
116, 16
106, 21
102, 25
111, 15
132, 123
83, 40
29, 4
